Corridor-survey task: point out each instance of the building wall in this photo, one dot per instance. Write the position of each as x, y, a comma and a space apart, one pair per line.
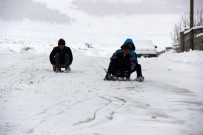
199, 43
185, 40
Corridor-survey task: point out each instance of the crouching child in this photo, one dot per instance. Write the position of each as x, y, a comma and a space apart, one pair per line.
120, 65
61, 56
134, 63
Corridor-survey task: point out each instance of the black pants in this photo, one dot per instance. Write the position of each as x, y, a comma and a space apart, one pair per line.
138, 69
62, 60
118, 67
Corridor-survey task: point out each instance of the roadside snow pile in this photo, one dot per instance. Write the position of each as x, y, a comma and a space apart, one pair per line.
43, 46
19, 44
96, 49
187, 57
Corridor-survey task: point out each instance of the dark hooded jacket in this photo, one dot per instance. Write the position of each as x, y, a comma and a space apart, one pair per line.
62, 52
129, 41
122, 57
132, 50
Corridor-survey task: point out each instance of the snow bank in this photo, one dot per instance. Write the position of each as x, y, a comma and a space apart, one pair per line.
18, 44
44, 46
186, 57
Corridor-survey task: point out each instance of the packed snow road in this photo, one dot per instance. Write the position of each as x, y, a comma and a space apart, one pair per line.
36, 101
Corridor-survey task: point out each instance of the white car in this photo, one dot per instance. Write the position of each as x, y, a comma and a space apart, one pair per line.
145, 48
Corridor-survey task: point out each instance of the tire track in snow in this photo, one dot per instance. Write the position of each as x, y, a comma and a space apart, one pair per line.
114, 111
45, 116
32, 118
95, 113
111, 114
32, 129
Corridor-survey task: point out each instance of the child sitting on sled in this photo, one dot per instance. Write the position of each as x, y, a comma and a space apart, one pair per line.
120, 65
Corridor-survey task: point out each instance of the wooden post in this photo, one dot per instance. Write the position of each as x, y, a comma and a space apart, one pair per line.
191, 24
191, 13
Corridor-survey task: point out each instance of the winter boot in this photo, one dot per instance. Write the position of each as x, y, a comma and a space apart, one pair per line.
58, 70
67, 69
140, 79
108, 77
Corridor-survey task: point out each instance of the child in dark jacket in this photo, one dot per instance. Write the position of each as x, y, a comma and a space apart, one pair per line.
134, 66
61, 55
119, 65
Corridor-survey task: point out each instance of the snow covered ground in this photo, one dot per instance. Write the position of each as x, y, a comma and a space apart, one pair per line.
36, 101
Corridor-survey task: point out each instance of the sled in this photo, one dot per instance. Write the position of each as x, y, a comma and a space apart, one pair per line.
62, 66
117, 77
54, 67
122, 78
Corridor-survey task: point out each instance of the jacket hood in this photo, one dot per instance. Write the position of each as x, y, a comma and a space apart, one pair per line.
129, 41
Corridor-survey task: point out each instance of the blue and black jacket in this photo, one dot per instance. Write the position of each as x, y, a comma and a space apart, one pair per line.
131, 52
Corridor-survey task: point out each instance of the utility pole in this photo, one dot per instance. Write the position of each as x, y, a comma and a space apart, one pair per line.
191, 24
